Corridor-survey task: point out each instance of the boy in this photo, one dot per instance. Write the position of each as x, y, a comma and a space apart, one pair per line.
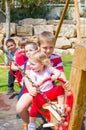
46, 43
19, 59
11, 46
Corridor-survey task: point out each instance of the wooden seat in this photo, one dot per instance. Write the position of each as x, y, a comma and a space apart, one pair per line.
54, 116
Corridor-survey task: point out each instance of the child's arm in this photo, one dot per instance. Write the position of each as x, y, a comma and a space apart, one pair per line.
31, 89
14, 67
57, 74
63, 80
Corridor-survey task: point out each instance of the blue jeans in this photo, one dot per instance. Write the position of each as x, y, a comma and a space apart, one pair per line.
11, 79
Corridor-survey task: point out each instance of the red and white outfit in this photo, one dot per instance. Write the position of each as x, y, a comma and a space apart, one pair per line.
51, 91
20, 59
56, 62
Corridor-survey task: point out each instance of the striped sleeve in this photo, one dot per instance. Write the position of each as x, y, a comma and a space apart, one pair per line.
56, 62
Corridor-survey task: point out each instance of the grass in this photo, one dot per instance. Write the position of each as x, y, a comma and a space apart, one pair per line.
67, 59
67, 62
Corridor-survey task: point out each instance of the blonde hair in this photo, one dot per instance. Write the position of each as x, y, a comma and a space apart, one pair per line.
40, 57
46, 36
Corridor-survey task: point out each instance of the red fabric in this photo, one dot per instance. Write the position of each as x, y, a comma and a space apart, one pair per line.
20, 58
39, 100
69, 103
56, 62
46, 113
25, 90
17, 75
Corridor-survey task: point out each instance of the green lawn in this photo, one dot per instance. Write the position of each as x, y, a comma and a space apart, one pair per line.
67, 59
67, 62
4, 80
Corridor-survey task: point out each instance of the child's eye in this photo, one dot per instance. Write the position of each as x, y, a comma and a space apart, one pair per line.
45, 48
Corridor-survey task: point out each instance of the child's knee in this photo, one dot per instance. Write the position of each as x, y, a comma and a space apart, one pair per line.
19, 108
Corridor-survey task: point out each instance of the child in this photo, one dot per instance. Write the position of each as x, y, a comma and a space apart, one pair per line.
40, 69
19, 59
30, 47
46, 42
11, 46
20, 56
23, 103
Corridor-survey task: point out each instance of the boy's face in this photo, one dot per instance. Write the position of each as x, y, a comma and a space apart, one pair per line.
47, 47
29, 49
22, 48
11, 47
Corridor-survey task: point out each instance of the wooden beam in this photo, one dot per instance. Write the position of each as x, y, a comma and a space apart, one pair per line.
62, 18
77, 20
78, 86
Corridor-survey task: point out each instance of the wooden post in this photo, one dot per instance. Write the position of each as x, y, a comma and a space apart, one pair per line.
62, 18
77, 20
78, 86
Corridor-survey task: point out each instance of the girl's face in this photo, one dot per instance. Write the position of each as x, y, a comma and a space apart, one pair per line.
29, 49
47, 47
11, 47
35, 66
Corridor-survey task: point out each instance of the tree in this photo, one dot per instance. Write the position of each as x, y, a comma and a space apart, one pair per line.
6, 11
7, 19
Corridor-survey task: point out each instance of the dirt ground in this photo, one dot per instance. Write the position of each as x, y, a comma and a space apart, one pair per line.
8, 120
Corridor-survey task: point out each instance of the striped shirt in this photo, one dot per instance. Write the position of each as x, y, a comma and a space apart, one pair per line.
56, 62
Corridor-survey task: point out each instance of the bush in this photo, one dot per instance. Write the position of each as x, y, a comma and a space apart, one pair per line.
31, 12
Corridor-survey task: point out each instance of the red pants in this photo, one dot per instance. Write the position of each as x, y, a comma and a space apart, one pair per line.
39, 100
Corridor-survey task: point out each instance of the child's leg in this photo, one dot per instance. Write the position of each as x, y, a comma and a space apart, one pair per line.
11, 80
60, 100
23, 105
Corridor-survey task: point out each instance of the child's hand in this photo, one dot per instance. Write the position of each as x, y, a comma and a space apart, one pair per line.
54, 77
66, 85
33, 91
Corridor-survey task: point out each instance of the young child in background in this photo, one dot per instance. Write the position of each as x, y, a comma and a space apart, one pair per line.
19, 60
20, 56
40, 70
23, 102
30, 48
11, 46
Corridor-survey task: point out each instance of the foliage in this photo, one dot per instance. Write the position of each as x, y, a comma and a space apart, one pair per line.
21, 13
